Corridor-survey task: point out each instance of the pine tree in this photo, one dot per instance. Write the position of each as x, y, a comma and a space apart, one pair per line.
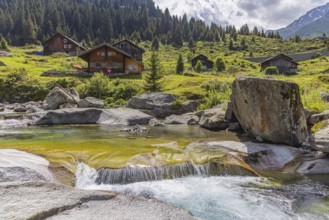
243, 44
153, 78
198, 66
180, 65
155, 44
231, 46
191, 43
220, 64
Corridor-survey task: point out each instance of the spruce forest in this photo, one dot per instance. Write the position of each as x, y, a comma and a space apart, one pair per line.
96, 21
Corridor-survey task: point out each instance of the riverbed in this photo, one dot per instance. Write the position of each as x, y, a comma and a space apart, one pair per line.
83, 149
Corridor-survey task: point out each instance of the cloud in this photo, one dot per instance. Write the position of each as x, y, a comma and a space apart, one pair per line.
274, 14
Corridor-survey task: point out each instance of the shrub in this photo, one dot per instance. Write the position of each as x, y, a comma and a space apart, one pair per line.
19, 87
233, 69
220, 64
177, 105
272, 70
198, 66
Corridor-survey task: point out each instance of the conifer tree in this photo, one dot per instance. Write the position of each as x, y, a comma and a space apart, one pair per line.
153, 78
231, 46
180, 65
155, 43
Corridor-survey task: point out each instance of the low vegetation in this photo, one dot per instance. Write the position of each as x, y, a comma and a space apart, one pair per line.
20, 78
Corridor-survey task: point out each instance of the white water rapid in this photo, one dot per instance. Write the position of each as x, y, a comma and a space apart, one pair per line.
224, 197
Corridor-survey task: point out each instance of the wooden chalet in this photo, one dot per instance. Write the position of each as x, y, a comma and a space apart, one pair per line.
206, 64
111, 60
284, 63
59, 43
129, 47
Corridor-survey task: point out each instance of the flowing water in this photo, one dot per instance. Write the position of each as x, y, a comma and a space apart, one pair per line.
157, 165
226, 197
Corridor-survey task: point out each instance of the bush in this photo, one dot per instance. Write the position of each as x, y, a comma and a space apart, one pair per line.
220, 64
115, 92
19, 87
198, 66
272, 70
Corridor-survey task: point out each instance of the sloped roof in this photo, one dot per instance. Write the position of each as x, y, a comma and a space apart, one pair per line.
73, 41
280, 56
126, 40
106, 45
200, 55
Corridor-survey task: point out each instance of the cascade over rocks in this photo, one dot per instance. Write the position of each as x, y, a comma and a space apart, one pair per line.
161, 105
270, 110
27, 194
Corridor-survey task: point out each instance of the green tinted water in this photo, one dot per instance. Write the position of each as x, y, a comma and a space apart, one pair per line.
103, 146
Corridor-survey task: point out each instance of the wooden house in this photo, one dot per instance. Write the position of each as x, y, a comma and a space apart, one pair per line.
284, 63
206, 63
59, 43
129, 47
111, 60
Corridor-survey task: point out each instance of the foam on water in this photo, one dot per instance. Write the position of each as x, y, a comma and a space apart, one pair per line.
225, 197
13, 123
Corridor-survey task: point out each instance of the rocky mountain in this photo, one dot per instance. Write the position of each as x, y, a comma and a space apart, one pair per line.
313, 23
220, 12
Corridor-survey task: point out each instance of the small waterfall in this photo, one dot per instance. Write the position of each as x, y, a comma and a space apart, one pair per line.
141, 174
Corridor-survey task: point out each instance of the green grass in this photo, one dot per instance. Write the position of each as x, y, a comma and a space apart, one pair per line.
312, 78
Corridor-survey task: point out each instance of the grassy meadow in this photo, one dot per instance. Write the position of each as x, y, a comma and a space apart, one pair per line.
209, 87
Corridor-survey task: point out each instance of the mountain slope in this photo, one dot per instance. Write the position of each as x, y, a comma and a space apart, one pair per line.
220, 12
313, 23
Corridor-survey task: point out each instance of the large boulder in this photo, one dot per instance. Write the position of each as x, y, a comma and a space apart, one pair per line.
91, 102
325, 96
161, 105
319, 117
58, 96
117, 116
320, 140
270, 110
18, 166
41, 200
319, 166
188, 118
259, 156
213, 119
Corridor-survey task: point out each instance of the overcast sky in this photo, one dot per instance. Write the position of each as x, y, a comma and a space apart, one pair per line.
276, 13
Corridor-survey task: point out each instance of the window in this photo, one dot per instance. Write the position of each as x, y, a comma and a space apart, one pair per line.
103, 54
111, 54
98, 65
65, 46
70, 46
65, 41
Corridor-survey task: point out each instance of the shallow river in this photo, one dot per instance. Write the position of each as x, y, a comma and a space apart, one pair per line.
83, 149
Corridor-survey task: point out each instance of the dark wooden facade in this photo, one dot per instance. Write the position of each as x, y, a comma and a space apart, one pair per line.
60, 43
207, 64
109, 59
284, 63
127, 46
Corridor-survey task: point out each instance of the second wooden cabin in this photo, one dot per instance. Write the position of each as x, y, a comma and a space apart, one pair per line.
283, 63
